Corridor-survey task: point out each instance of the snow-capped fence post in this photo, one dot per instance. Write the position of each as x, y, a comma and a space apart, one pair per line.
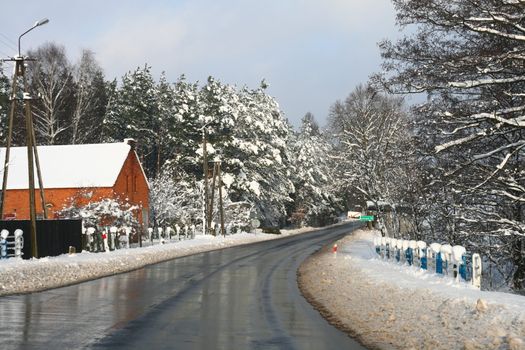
3, 244
405, 245
160, 231
422, 254
459, 260
476, 270
168, 232
105, 240
90, 239
150, 234
159, 234
391, 248
446, 253
399, 245
435, 249
177, 230
19, 243
127, 230
114, 239
193, 228
412, 246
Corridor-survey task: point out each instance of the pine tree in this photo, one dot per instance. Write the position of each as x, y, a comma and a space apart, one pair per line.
135, 114
314, 200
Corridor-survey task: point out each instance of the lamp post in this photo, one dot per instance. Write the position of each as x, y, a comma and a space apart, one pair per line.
19, 72
37, 24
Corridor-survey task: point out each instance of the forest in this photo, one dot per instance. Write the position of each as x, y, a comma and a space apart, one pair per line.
450, 168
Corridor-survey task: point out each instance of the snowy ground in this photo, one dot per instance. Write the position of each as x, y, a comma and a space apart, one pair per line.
23, 276
389, 306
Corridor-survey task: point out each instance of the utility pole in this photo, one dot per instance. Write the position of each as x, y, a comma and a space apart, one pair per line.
221, 208
19, 72
212, 198
205, 222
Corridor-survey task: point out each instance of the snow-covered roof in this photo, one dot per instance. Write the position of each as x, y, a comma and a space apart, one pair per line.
68, 166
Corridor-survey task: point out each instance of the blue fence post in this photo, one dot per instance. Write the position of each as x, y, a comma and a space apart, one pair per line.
424, 258
463, 268
439, 263
410, 256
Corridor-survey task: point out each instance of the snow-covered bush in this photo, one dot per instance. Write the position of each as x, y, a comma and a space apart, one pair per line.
106, 212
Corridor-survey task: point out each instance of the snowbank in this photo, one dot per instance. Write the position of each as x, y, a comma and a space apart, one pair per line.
23, 276
386, 305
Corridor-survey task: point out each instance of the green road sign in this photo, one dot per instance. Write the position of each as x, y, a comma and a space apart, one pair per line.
366, 218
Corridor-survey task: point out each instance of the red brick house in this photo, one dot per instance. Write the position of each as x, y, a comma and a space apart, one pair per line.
77, 174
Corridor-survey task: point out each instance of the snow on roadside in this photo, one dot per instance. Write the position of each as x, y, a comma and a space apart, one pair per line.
24, 276
387, 305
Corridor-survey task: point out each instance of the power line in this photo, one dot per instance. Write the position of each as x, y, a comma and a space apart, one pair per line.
13, 43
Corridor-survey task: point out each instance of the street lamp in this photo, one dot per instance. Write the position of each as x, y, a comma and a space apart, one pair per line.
37, 24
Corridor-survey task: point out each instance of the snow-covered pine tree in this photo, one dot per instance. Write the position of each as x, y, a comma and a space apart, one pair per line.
135, 114
315, 202
257, 157
468, 56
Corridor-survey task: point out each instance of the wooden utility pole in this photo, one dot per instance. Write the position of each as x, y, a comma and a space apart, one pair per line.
212, 198
32, 153
205, 170
221, 208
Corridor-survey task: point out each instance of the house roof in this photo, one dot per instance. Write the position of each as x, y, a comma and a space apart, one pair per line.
68, 166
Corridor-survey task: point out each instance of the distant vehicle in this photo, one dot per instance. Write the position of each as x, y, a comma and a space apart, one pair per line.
353, 215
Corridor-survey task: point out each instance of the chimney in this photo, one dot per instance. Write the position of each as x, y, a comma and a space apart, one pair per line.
132, 143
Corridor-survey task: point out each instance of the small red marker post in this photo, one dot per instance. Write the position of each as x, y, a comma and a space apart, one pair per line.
334, 248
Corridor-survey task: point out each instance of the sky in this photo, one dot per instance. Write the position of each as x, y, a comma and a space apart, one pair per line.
310, 52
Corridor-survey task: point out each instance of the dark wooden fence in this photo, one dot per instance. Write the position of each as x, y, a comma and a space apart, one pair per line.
54, 237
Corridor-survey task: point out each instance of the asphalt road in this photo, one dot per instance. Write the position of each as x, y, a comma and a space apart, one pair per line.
237, 298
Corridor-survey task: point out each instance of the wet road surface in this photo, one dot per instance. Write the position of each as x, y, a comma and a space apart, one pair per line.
236, 298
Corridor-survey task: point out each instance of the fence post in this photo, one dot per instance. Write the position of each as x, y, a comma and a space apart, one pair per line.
476, 270
105, 240
160, 231
150, 234
436, 257
3, 243
446, 252
19, 243
90, 239
177, 229
114, 237
422, 254
458, 253
127, 230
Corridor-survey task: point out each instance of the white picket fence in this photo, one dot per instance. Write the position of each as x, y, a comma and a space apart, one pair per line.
440, 258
